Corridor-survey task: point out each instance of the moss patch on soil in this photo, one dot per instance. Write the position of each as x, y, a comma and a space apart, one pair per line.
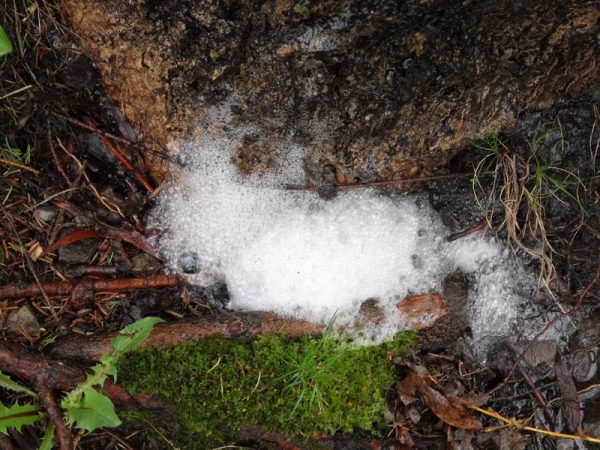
301, 388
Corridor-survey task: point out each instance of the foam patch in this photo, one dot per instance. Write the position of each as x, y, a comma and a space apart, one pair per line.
299, 255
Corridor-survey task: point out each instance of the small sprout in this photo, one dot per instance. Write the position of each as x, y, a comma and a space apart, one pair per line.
301, 9
5, 44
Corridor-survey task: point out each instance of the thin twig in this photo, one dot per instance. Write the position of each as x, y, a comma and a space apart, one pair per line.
8, 162
114, 137
518, 424
27, 259
17, 91
138, 175
88, 285
385, 183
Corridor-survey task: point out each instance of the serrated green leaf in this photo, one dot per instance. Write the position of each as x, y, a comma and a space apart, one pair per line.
48, 439
8, 383
95, 410
138, 331
5, 44
16, 416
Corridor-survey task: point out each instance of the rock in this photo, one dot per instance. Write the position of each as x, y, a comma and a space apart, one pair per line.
144, 263
584, 365
46, 213
536, 353
591, 426
80, 252
23, 321
389, 89
188, 263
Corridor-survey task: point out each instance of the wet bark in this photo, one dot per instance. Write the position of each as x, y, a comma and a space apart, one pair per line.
238, 325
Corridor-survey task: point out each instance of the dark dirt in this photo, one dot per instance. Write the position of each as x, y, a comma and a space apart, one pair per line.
377, 90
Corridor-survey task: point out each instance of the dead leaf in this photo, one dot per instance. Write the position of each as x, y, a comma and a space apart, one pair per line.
454, 413
422, 310
569, 395
406, 391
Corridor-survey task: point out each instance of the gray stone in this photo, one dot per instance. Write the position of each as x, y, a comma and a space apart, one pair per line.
584, 365
23, 321
536, 353
78, 253
46, 213
143, 263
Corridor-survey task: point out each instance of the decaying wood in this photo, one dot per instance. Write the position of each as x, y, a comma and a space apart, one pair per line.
165, 335
85, 287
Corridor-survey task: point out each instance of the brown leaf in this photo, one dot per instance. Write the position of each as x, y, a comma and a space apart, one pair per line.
406, 390
452, 413
569, 395
422, 310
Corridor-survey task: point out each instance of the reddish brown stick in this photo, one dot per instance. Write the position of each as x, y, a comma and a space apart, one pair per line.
140, 177
165, 335
66, 287
114, 137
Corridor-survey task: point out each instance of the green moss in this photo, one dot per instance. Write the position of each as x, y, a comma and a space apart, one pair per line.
294, 387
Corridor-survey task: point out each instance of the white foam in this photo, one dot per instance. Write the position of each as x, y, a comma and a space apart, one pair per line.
299, 255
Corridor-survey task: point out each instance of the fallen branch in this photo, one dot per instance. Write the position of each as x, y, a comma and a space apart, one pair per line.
171, 334
86, 287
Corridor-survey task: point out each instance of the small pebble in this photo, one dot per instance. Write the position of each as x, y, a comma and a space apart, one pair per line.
188, 262
23, 321
46, 213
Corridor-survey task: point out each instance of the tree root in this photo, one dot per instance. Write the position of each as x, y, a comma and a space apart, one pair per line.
86, 287
171, 334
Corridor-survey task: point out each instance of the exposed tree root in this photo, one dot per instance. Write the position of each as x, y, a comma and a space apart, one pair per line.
165, 335
84, 288
48, 377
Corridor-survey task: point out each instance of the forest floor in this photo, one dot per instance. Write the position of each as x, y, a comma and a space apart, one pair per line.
77, 259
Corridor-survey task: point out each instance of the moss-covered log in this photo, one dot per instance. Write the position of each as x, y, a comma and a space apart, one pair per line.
298, 388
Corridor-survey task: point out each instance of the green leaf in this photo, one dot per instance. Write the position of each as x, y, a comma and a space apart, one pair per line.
8, 383
95, 410
5, 44
301, 9
16, 416
48, 439
138, 330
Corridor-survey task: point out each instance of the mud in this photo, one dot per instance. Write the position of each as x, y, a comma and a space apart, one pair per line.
374, 89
